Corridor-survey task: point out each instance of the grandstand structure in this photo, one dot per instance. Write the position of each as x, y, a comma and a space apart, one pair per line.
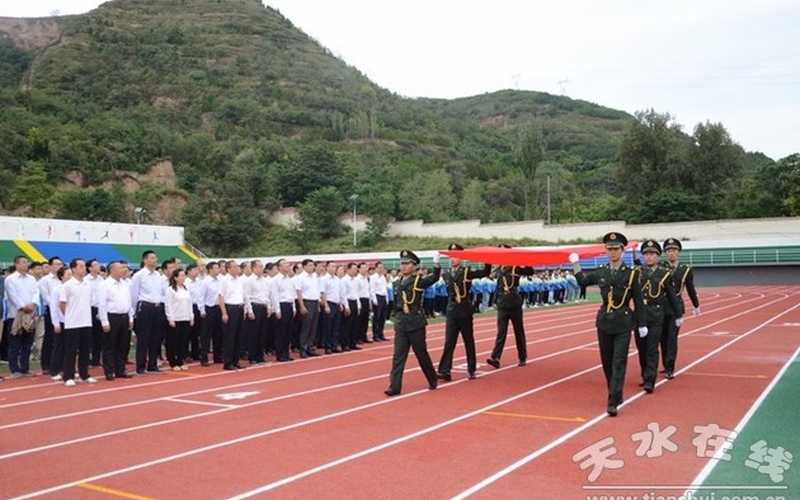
40, 239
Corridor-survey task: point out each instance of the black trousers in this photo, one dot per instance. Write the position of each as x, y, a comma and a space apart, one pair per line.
379, 318
149, 325
115, 344
195, 334
308, 331
648, 354
333, 321
282, 332
57, 355
415, 339
614, 357
256, 332
212, 331
231, 332
454, 326
669, 343
97, 339
77, 341
350, 325
363, 319
176, 341
47, 341
269, 338
504, 315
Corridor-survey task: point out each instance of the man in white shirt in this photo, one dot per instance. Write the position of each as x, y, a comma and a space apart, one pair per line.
46, 285
115, 311
283, 297
362, 286
210, 315
196, 290
308, 297
377, 295
232, 305
94, 279
352, 308
22, 295
64, 274
331, 285
148, 288
76, 306
255, 323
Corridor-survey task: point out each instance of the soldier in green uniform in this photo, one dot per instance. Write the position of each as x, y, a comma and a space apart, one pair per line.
619, 284
509, 308
658, 296
459, 313
682, 277
410, 321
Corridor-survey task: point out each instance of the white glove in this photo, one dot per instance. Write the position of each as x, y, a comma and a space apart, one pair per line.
643, 331
679, 321
696, 312
437, 258
573, 258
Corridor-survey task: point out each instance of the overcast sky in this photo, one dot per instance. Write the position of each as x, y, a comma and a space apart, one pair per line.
731, 61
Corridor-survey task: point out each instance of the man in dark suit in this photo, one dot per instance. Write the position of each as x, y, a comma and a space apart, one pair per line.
459, 313
410, 321
619, 284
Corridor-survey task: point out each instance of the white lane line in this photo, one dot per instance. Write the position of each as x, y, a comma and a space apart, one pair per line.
525, 460
191, 402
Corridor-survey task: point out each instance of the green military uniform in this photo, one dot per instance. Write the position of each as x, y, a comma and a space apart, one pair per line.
509, 308
615, 318
658, 296
458, 316
410, 323
682, 278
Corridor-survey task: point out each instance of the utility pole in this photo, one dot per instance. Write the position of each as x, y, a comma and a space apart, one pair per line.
548, 200
353, 198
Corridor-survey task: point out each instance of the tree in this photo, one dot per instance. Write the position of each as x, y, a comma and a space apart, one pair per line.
32, 194
714, 160
650, 155
428, 196
529, 154
472, 204
92, 204
223, 217
319, 213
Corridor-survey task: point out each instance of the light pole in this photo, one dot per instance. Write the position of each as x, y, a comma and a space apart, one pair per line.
353, 198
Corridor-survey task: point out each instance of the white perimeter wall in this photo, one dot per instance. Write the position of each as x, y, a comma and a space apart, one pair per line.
24, 228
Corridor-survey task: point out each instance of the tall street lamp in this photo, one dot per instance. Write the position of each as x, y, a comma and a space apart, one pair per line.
353, 198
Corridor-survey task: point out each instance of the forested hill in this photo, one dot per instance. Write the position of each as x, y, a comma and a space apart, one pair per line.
252, 114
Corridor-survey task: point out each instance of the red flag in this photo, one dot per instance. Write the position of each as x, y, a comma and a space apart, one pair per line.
536, 257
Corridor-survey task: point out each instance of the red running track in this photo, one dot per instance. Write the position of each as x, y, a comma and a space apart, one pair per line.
322, 428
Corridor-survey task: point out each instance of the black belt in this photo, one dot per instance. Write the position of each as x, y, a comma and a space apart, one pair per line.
212, 307
153, 304
118, 315
258, 305
237, 306
310, 300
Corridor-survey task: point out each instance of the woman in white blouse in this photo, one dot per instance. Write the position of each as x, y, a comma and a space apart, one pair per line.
180, 316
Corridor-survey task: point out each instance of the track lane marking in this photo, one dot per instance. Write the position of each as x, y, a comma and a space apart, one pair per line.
113, 492
535, 417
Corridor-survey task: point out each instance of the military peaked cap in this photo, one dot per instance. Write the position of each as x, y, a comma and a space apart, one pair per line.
615, 239
455, 246
673, 243
650, 246
409, 256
